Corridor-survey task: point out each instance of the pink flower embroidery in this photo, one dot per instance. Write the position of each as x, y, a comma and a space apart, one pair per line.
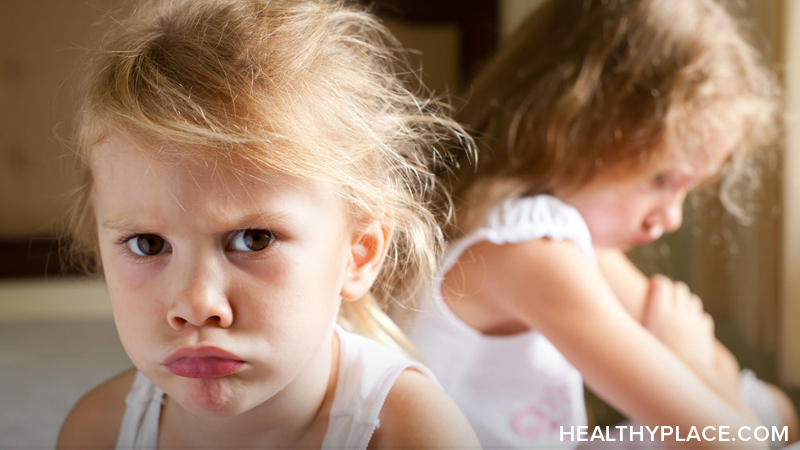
542, 419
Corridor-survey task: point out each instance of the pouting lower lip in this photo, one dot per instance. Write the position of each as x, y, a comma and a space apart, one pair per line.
202, 362
204, 367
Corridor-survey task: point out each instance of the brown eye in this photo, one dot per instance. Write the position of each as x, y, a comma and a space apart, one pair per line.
251, 240
147, 244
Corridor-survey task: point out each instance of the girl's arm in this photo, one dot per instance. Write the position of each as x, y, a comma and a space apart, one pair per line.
553, 288
94, 421
418, 414
632, 288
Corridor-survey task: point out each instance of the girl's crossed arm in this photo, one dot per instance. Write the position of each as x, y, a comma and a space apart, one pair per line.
634, 289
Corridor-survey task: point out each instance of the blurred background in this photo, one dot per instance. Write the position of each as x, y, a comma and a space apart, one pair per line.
56, 332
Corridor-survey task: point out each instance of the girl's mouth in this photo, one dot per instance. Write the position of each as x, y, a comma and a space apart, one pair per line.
203, 362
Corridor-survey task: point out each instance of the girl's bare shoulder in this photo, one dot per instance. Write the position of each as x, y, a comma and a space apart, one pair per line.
95, 420
513, 270
419, 414
497, 288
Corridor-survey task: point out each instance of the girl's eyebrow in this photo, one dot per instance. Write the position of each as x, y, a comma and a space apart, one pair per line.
118, 224
260, 219
252, 220
702, 175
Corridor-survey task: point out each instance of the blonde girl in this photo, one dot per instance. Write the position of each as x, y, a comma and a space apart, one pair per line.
594, 122
254, 171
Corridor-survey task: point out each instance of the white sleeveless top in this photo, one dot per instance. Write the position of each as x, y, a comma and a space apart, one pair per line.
367, 371
517, 391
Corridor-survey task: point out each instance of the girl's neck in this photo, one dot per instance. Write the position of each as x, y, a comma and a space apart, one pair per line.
295, 417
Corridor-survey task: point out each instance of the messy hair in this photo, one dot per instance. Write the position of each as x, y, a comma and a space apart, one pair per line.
309, 89
585, 88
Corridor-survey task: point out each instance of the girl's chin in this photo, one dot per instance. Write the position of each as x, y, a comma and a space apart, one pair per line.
213, 398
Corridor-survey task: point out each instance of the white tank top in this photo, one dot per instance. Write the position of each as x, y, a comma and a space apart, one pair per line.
517, 391
367, 371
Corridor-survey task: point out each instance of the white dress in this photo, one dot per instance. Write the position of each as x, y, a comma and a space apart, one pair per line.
517, 391
367, 371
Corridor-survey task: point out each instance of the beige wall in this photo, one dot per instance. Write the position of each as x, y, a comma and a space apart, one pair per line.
41, 40
789, 356
62, 299
512, 13
435, 49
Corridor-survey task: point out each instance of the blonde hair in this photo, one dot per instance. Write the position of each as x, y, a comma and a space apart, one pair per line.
309, 89
585, 88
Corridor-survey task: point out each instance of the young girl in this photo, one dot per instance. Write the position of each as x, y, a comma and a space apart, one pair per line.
247, 165
595, 120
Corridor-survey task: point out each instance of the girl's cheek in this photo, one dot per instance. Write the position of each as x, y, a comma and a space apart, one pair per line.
142, 273
136, 295
270, 265
130, 272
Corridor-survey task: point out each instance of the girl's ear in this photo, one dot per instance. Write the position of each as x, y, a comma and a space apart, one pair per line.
368, 249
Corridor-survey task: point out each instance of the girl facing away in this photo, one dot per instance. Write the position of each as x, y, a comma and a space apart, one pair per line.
247, 166
593, 123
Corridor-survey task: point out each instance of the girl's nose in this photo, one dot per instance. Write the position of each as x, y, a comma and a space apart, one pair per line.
673, 214
200, 301
665, 218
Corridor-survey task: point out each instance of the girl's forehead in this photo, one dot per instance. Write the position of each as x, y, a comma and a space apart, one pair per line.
160, 161
701, 142
127, 164
694, 149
